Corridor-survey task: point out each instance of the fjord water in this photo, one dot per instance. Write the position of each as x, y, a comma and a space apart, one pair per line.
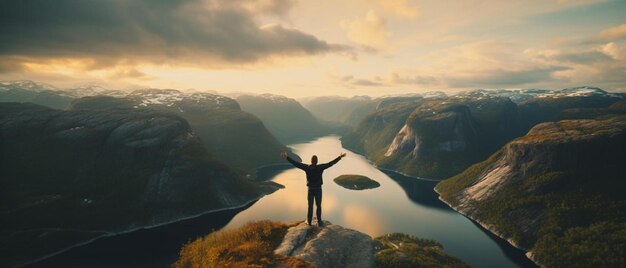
400, 204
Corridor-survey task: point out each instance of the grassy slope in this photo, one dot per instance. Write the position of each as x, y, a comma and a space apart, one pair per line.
249, 246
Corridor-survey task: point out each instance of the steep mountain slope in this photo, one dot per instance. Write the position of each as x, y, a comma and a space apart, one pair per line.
337, 109
439, 136
69, 176
547, 107
284, 117
237, 138
558, 192
435, 137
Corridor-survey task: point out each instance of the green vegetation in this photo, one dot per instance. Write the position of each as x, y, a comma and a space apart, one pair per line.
449, 133
401, 250
252, 245
572, 211
537, 110
356, 182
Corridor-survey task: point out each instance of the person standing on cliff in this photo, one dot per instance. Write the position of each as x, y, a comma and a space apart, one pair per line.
313, 182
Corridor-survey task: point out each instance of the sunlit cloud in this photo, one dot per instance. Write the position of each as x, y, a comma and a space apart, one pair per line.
369, 32
613, 33
325, 47
399, 8
195, 32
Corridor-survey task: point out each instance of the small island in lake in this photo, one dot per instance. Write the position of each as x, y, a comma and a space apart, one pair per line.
356, 182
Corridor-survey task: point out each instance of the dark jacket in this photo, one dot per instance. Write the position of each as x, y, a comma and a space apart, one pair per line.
313, 172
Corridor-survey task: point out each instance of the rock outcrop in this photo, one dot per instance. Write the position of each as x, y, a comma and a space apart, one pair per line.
336, 246
330, 246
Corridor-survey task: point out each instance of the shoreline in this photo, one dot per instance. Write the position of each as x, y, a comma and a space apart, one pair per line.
491, 229
111, 234
487, 227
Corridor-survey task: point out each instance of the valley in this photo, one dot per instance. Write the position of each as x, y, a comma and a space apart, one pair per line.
538, 168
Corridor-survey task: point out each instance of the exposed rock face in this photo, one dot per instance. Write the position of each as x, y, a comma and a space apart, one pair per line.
563, 179
562, 145
454, 130
69, 176
330, 246
435, 137
439, 136
241, 139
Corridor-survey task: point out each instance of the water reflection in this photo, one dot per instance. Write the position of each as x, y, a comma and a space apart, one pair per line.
419, 191
400, 204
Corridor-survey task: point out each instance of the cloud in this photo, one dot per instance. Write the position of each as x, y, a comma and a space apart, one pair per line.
195, 32
600, 64
271, 7
504, 78
617, 52
10, 65
131, 73
613, 33
369, 33
365, 82
399, 8
413, 79
350, 81
582, 57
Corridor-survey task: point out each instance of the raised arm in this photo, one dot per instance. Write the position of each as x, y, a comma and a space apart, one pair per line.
299, 165
331, 163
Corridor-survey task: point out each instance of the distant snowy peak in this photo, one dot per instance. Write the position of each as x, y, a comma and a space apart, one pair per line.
434, 94
172, 97
91, 89
276, 98
94, 89
519, 95
25, 85
583, 91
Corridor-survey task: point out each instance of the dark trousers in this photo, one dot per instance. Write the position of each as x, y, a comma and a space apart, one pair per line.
314, 194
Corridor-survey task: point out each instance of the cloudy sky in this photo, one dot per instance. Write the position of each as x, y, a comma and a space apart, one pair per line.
316, 47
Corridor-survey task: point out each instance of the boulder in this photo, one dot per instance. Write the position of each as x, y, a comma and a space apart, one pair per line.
328, 246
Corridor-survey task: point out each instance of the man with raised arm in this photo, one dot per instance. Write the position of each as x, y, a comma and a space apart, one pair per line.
314, 183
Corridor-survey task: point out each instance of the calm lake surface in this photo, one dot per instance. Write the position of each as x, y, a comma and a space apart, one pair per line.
400, 204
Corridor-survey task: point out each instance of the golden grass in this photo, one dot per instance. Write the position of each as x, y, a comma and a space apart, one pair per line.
251, 245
